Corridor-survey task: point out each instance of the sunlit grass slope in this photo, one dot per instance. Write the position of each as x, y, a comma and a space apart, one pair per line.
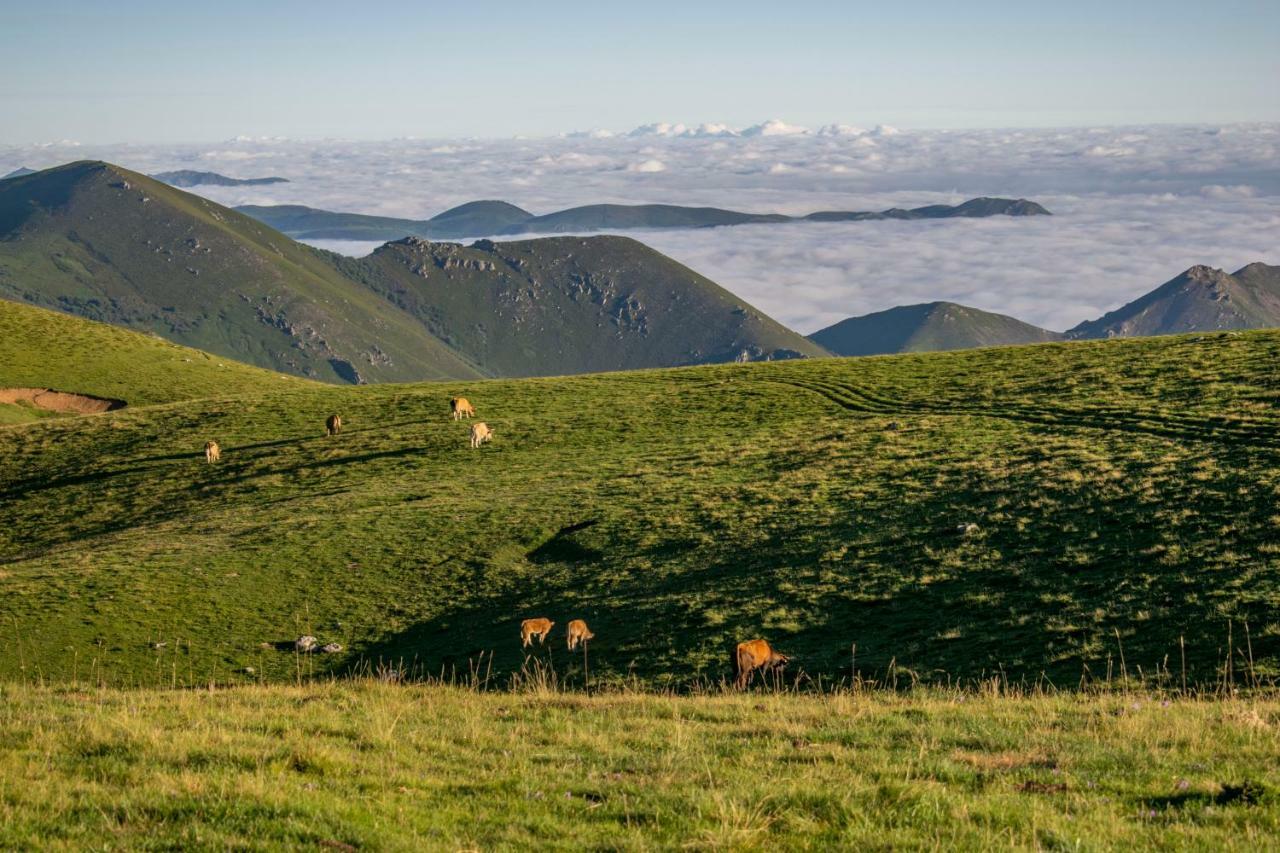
377, 767
1124, 497
47, 349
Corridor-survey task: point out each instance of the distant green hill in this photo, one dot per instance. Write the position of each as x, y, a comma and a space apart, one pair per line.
189, 178
490, 218
1022, 513
1202, 299
572, 305
112, 245
923, 328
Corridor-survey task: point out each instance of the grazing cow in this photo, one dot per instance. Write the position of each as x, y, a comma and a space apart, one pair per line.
333, 425
480, 433
212, 452
531, 628
579, 633
753, 655
461, 408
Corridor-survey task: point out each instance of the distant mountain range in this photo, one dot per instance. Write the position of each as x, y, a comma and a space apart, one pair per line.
498, 218
105, 243
188, 178
18, 173
1202, 299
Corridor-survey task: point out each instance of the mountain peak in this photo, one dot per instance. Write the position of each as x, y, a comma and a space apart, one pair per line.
1200, 299
925, 327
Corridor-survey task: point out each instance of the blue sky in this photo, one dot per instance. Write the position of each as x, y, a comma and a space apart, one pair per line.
143, 71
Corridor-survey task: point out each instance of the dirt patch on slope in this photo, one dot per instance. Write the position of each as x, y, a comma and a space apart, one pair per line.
59, 401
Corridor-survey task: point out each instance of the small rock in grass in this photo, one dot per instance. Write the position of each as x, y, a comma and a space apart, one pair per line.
967, 528
330, 648
306, 643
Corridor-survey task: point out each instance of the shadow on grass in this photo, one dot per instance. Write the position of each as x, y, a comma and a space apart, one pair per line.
1032, 603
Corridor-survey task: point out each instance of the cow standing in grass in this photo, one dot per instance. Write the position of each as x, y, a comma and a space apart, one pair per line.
531, 628
212, 452
755, 655
333, 425
480, 433
461, 408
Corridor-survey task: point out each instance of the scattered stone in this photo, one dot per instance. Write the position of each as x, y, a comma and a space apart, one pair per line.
158, 645
967, 528
331, 648
306, 643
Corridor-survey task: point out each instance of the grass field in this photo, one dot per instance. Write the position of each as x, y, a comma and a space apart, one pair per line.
1124, 494
373, 766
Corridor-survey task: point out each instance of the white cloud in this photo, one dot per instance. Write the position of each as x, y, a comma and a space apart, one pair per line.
840, 130
774, 127
647, 166
1218, 191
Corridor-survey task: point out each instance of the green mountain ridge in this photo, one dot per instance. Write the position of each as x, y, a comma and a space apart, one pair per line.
116, 246
497, 218
572, 305
112, 245
927, 327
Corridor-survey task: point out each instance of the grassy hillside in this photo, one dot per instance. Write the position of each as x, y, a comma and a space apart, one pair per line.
572, 305
1123, 493
105, 243
46, 349
370, 766
927, 328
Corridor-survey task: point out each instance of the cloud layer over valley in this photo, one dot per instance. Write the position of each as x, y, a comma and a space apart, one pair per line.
1133, 206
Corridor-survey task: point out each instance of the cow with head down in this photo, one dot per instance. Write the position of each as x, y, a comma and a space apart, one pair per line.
480, 433
461, 408
531, 628
756, 655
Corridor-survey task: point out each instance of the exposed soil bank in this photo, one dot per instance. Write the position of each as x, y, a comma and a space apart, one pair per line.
60, 401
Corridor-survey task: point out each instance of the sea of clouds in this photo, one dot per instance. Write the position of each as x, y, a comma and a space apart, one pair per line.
1133, 206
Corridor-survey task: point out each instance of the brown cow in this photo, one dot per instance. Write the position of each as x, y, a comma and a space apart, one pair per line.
333, 425
579, 633
530, 628
480, 433
212, 452
753, 655
461, 408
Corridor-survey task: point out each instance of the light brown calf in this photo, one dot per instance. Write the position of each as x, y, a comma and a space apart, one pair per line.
212, 452
333, 425
461, 408
480, 433
531, 628
753, 655
579, 633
